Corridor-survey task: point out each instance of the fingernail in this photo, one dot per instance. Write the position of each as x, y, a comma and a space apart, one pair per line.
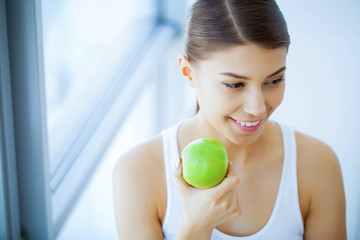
230, 163
177, 163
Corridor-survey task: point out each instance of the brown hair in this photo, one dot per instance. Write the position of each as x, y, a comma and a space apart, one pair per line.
213, 25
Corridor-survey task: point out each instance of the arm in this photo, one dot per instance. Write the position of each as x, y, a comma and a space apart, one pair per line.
326, 217
135, 205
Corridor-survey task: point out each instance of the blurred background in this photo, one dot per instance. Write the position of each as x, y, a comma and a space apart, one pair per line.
84, 81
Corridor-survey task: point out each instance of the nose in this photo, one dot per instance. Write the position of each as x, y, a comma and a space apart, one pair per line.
254, 103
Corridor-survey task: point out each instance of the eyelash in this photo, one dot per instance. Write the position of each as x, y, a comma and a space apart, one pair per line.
240, 84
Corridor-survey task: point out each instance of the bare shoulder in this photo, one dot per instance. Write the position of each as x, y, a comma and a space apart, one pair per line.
141, 168
138, 159
321, 190
318, 164
316, 156
138, 183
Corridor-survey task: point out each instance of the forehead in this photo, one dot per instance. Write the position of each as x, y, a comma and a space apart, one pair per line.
248, 60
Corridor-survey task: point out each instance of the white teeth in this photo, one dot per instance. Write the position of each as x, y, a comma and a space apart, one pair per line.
248, 124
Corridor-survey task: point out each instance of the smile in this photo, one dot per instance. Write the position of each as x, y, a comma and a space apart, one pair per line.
247, 126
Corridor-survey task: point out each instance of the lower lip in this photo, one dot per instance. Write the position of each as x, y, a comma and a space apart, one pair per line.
246, 129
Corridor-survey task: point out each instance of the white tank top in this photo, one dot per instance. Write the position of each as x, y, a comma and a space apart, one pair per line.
285, 222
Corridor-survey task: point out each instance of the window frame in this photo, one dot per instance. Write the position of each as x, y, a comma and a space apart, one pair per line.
9, 204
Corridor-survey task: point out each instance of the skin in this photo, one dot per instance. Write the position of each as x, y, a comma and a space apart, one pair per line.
242, 204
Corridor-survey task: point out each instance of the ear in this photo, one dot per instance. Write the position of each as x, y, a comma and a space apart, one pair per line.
186, 70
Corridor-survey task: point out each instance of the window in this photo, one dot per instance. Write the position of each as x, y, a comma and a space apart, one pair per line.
86, 44
77, 68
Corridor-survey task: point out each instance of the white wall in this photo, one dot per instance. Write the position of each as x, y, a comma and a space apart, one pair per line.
322, 97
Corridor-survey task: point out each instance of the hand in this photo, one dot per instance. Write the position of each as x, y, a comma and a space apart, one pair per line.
204, 209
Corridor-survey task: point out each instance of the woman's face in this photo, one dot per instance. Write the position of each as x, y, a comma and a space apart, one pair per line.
238, 89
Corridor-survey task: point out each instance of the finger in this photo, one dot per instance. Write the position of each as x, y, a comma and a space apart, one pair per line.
232, 197
177, 173
229, 182
231, 173
238, 208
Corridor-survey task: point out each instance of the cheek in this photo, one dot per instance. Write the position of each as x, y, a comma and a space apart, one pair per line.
212, 98
275, 96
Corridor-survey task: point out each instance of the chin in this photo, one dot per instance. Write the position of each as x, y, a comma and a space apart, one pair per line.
246, 140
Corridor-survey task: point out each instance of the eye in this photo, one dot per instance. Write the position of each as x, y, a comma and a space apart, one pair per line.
234, 85
273, 82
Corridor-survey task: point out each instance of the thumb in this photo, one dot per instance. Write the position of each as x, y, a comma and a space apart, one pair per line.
229, 182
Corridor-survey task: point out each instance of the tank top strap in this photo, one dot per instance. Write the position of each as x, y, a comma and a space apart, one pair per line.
290, 156
171, 154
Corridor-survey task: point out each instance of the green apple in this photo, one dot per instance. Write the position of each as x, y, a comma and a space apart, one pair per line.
205, 163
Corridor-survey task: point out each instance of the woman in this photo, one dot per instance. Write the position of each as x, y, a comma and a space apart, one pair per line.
281, 184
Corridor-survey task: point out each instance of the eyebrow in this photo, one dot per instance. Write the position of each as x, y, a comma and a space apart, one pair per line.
230, 74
